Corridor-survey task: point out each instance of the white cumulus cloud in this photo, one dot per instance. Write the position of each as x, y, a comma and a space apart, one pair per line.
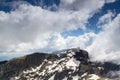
31, 26
106, 46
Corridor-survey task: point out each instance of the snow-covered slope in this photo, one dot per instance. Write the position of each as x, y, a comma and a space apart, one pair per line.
71, 64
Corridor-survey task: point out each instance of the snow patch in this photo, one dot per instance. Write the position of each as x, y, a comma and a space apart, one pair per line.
65, 78
76, 77
84, 75
94, 77
70, 54
52, 78
73, 62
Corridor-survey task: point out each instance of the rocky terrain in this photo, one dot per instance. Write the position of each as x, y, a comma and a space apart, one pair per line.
70, 64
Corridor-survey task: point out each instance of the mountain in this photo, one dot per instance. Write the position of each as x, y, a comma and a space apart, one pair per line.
70, 64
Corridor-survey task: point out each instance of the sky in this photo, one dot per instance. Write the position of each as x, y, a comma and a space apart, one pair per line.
28, 26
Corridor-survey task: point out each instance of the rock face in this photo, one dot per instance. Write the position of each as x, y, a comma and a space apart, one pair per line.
71, 64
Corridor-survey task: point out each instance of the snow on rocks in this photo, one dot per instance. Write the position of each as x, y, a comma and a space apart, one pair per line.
93, 77
76, 77
72, 63
49, 67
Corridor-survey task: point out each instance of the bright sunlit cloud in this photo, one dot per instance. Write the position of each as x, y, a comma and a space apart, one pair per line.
27, 28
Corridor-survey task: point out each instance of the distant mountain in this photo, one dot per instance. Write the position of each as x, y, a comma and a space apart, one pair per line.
70, 64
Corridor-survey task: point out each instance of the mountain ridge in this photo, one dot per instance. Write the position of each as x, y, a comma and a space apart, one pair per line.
67, 65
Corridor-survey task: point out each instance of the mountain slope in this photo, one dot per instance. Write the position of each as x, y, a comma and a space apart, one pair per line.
71, 64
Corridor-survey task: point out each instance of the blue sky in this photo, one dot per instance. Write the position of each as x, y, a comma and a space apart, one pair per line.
28, 26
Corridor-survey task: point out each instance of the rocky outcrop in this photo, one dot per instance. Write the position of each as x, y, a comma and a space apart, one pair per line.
55, 66
3, 62
13, 67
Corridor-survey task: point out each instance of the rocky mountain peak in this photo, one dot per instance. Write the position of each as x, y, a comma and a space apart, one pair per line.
67, 64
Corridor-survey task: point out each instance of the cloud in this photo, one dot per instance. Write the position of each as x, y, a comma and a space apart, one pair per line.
106, 46
13, 4
58, 42
30, 27
105, 19
28, 23
110, 1
82, 5
113, 74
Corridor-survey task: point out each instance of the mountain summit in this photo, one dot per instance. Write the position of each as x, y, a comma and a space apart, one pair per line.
70, 64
